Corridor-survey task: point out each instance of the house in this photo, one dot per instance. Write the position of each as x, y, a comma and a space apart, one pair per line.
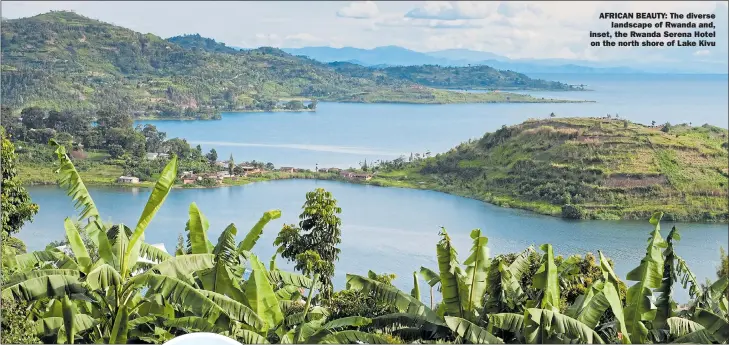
155, 155
223, 164
249, 169
186, 174
346, 174
287, 169
365, 177
189, 180
223, 174
128, 179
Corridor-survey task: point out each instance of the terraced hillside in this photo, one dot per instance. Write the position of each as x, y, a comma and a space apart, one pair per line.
587, 168
61, 60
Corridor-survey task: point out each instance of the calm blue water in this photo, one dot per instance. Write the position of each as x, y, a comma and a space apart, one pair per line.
395, 230
383, 229
343, 135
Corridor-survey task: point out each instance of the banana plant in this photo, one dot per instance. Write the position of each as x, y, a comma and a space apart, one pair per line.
543, 322
103, 299
462, 290
640, 308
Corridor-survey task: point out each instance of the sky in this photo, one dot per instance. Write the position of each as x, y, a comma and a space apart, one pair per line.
518, 30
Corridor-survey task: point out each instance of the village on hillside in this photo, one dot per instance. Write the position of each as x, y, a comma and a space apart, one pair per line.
226, 170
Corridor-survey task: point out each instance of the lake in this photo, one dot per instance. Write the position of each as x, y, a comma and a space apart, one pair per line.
395, 230
383, 229
343, 135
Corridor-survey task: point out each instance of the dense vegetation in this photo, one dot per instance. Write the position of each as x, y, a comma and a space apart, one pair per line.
106, 143
64, 61
109, 286
445, 77
584, 168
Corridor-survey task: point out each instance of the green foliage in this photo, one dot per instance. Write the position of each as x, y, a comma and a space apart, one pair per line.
17, 207
582, 168
92, 65
16, 328
319, 231
444, 77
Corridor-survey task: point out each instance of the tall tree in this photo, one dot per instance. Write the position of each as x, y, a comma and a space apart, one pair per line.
17, 207
231, 165
33, 117
212, 156
319, 231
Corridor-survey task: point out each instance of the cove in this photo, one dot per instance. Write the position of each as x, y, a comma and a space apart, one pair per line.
383, 229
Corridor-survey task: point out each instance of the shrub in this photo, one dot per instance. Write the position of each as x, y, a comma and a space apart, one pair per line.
572, 212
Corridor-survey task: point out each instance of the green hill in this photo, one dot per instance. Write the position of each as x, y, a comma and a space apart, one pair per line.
472, 77
585, 168
67, 61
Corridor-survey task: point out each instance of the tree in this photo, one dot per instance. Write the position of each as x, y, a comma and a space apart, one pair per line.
116, 151
231, 165
212, 156
179, 147
313, 104
666, 128
552, 115
319, 231
269, 166
33, 117
294, 105
653, 123
17, 207
153, 138
108, 119
54, 119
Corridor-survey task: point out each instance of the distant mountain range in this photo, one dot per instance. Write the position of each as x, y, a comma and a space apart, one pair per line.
398, 56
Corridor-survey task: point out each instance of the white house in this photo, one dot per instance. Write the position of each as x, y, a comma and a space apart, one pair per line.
127, 179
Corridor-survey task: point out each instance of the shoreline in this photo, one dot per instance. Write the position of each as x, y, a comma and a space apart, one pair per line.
502, 202
533, 100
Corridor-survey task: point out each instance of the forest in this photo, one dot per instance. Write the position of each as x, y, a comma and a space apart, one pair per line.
106, 285
64, 61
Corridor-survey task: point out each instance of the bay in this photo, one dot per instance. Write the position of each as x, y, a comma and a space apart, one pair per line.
383, 229
344, 135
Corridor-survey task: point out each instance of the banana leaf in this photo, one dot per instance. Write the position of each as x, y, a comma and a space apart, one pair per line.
390, 295
352, 337
255, 233
77, 246
18, 277
547, 280
197, 228
237, 311
452, 277
49, 286
544, 326
260, 296
471, 332
161, 189
103, 277
477, 267
639, 305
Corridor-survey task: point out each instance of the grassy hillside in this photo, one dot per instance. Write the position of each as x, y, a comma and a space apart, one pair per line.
585, 168
444, 77
67, 61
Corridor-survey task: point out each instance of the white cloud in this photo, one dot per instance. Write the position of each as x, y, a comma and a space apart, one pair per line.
702, 52
453, 10
359, 10
524, 29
